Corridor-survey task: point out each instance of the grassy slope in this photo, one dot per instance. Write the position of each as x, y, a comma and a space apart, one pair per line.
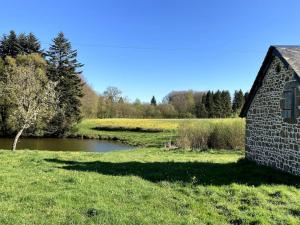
145, 186
85, 128
139, 138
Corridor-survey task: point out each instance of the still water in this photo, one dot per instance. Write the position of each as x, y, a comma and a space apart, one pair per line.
57, 144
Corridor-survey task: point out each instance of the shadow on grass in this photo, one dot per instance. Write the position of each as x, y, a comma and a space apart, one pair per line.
203, 173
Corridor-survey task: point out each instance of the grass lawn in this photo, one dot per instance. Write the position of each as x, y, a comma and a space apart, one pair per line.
169, 127
144, 186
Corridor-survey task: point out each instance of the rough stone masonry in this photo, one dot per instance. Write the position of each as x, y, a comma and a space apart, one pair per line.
271, 139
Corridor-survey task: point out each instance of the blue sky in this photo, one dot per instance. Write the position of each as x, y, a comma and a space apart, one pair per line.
151, 47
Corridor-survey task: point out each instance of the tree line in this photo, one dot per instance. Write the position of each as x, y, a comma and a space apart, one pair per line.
177, 104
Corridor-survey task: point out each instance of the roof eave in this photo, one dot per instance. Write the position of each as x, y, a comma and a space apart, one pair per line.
258, 81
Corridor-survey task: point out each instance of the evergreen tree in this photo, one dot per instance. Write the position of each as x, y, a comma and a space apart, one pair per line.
13, 44
238, 101
226, 104
33, 44
246, 96
153, 101
63, 69
9, 45
201, 111
209, 104
217, 107
23, 44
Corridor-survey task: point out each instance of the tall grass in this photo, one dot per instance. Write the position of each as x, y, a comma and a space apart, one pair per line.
219, 134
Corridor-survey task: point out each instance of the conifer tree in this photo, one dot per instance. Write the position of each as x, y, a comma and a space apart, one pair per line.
246, 96
209, 104
33, 44
64, 70
9, 45
238, 101
153, 101
217, 107
13, 44
22, 40
226, 104
201, 111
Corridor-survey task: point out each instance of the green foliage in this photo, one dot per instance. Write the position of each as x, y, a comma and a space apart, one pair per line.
238, 101
153, 101
217, 105
183, 102
3, 110
9, 45
27, 92
167, 111
33, 44
13, 44
63, 69
201, 111
209, 104
89, 102
226, 104
144, 186
1, 68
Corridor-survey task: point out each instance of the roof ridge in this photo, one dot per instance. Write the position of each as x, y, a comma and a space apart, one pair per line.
285, 46
288, 54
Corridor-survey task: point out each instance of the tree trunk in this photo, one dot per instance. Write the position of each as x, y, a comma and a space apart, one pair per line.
17, 138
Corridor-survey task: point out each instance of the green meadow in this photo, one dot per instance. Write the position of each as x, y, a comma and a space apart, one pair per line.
146, 185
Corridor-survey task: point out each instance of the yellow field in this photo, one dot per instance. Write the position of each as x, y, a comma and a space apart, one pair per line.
165, 124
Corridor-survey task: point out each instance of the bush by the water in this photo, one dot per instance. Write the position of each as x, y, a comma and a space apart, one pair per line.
132, 129
220, 134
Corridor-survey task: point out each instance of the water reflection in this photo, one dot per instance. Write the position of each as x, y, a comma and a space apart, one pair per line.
57, 144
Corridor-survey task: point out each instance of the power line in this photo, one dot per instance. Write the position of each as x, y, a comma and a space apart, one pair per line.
126, 46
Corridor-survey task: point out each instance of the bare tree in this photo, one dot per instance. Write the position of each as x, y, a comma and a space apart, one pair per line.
29, 91
112, 94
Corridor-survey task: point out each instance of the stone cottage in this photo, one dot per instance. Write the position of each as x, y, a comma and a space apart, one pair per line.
272, 111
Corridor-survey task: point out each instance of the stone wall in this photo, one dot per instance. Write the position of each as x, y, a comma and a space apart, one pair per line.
269, 140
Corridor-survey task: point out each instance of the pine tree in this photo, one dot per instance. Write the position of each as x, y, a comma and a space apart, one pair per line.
201, 111
9, 45
153, 101
238, 101
217, 107
209, 104
246, 96
33, 44
226, 104
63, 69
23, 44
13, 44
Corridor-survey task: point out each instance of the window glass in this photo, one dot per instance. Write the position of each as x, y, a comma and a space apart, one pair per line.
288, 104
288, 100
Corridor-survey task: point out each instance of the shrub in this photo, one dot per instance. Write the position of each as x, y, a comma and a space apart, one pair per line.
228, 135
193, 136
220, 134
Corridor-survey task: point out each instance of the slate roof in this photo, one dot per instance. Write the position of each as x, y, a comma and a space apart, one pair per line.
290, 56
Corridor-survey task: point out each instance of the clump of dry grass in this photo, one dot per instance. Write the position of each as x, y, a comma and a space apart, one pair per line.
219, 134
